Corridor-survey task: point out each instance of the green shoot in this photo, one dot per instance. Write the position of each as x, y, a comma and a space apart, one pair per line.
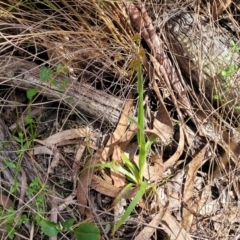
133, 173
48, 75
132, 205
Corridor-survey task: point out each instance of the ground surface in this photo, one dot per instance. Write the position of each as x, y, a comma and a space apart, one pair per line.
69, 137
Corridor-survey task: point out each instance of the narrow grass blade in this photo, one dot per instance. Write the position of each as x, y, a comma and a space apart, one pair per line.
130, 165
141, 137
135, 122
121, 194
150, 142
132, 205
116, 168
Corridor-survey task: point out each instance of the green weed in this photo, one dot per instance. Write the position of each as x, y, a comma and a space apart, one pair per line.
134, 173
10, 220
25, 139
24, 136
48, 75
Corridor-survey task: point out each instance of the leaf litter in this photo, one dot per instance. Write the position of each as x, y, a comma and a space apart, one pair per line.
194, 162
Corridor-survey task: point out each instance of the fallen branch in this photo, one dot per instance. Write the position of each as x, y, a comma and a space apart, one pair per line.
94, 103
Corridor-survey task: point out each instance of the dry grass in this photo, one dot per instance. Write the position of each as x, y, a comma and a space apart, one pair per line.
194, 165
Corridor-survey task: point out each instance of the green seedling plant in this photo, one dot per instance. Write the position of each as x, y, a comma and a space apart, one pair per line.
25, 137
10, 216
48, 75
133, 173
228, 73
83, 231
10, 220
25, 140
38, 192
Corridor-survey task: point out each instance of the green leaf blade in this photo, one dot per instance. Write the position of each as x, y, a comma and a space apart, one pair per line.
44, 73
68, 224
131, 206
131, 166
49, 228
31, 93
87, 231
116, 168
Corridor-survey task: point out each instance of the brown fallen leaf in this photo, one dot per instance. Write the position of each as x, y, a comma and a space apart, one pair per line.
173, 159
193, 166
70, 134
5, 201
113, 144
54, 213
153, 172
117, 177
92, 145
128, 136
162, 124
38, 150
77, 163
105, 188
110, 190
120, 130
52, 151
169, 223
174, 230
218, 7
160, 129
55, 161
147, 232
84, 181
67, 201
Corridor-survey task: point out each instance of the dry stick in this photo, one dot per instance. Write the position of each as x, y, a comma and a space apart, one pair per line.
95, 103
